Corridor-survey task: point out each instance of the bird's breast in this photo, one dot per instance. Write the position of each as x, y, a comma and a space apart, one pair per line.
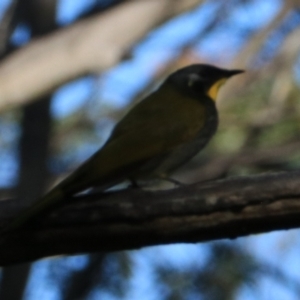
200, 121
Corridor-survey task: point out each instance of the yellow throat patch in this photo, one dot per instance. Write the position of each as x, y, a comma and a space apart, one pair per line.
214, 89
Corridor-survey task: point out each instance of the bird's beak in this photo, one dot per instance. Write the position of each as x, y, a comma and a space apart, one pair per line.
230, 73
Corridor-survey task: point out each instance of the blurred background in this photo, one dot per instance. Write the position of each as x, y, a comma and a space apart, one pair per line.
70, 70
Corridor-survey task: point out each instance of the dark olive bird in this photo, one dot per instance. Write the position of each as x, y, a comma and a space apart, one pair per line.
157, 136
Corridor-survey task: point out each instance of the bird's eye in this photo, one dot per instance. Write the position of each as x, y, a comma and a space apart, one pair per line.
192, 79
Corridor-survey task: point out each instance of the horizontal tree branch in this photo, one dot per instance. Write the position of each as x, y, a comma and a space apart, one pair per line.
91, 45
131, 219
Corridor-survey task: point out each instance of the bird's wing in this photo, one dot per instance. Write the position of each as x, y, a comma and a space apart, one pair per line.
158, 124
165, 103
149, 130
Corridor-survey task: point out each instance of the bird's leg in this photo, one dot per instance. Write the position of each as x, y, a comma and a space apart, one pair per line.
218, 177
169, 179
176, 182
133, 184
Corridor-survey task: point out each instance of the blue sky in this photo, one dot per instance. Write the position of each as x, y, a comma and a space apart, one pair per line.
159, 47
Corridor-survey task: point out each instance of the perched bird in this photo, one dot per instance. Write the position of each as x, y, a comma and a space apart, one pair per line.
161, 133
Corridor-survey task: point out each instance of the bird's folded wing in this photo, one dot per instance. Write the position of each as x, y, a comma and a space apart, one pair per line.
125, 153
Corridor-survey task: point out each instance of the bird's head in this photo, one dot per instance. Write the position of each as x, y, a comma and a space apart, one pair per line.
201, 79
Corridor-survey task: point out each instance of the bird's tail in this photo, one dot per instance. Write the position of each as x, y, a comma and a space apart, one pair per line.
38, 209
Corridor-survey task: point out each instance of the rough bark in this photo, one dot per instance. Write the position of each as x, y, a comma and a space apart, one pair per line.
132, 219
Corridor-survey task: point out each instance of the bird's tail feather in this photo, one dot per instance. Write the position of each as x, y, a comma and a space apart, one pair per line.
38, 209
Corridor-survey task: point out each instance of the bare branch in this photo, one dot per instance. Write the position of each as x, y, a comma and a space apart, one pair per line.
216, 167
91, 45
134, 218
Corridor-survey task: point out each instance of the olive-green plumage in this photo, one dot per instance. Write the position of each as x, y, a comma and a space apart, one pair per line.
157, 136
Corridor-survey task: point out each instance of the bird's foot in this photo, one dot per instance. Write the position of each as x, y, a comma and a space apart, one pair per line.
133, 184
172, 180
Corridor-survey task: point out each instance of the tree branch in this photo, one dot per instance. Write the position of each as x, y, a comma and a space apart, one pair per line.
91, 45
132, 219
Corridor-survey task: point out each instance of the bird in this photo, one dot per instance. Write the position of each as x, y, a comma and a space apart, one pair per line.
157, 136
